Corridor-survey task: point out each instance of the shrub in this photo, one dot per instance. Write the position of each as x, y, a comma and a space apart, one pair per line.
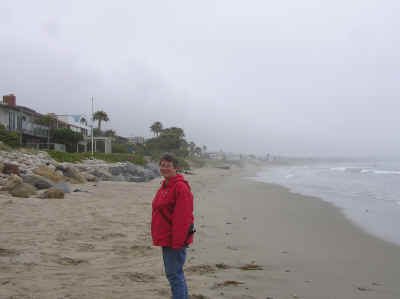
110, 158
10, 138
120, 148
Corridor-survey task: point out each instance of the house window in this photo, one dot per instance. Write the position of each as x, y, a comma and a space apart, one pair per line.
19, 122
11, 121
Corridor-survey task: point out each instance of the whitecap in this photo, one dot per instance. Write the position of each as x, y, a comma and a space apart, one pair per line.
386, 172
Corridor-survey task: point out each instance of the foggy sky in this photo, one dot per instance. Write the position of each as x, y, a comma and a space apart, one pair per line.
286, 77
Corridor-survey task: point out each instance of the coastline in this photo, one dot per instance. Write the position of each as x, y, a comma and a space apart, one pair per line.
97, 244
307, 246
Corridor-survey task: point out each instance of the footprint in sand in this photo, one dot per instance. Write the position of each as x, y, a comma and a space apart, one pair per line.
106, 237
8, 252
66, 261
134, 276
136, 250
200, 269
85, 247
226, 283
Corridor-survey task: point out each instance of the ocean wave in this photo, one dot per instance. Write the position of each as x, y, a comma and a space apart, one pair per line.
365, 170
386, 172
347, 169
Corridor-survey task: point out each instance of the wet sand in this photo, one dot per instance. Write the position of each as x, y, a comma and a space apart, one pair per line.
97, 244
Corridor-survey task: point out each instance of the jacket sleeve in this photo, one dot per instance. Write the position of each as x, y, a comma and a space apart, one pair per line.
182, 216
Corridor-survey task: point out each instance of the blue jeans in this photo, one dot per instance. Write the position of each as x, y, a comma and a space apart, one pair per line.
173, 262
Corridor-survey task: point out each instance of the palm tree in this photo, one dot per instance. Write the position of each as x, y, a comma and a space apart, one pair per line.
83, 121
100, 116
192, 146
156, 128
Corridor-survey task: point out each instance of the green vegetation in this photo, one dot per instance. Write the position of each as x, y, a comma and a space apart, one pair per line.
100, 116
118, 148
110, 158
67, 137
171, 140
48, 120
156, 128
9, 138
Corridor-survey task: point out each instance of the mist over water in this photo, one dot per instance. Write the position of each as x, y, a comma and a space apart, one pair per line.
368, 192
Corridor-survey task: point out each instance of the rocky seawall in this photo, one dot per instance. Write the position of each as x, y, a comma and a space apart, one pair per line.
24, 173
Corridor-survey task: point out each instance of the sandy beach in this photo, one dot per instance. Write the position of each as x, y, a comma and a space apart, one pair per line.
254, 240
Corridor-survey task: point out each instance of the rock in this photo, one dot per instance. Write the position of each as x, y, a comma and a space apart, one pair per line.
9, 168
59, 172
1, 167
48, 173
23, 190
136, 179
101, 174
60, 167
89, 177
38, 181
118, 178
133, 173
64, 186
116, 170
74, 174
139, 171
154, 168
12, 182
53, 193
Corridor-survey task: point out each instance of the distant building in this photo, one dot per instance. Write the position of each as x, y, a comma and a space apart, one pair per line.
76, 123
136, 140
216, 155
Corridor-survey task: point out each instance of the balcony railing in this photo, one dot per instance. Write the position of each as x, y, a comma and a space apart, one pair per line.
34, 130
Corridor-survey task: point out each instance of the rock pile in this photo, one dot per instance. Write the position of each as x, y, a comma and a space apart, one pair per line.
22, 173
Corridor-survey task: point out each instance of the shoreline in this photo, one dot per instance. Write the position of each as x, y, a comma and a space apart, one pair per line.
325, 254
97, 244
353, 213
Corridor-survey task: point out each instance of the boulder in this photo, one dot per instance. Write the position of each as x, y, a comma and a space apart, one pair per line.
53, 193
154, 168
9, 168
119, 178
74, 174
38, 181
136, 179
133, 173
64, 186
23, 190
59, 172
147, 173
101, 174
12, 182
117, 170
89, 177
48, 173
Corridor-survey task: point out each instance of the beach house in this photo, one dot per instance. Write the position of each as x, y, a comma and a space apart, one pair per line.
22, 120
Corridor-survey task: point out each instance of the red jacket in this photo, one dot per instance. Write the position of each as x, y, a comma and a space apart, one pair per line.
172, 214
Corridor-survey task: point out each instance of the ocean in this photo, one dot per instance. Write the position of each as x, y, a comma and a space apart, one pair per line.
368, 192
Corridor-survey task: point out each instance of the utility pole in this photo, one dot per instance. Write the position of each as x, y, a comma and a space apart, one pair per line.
92, 130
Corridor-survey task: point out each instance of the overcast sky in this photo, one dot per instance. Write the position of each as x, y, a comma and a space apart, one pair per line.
293, 77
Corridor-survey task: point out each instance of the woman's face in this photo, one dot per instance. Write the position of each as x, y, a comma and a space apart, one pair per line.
167, 169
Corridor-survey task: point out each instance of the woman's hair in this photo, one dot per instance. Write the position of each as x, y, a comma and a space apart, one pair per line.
169, 157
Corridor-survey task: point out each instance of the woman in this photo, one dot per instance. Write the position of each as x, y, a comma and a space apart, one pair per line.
172, 223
